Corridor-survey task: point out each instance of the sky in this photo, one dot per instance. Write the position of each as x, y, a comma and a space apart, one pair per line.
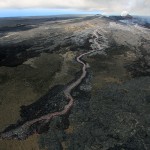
11, 8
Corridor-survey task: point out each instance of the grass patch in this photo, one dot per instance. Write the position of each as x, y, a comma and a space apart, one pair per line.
3, 78
24, 84
110, 68
29, 144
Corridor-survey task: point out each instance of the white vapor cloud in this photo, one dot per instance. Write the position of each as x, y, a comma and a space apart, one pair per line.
138, 7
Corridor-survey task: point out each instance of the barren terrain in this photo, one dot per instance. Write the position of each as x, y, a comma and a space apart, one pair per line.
79, 82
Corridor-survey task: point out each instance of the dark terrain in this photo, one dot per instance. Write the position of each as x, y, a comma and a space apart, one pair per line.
111, 104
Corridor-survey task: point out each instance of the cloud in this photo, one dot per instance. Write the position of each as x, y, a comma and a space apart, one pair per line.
139, 7
124, 13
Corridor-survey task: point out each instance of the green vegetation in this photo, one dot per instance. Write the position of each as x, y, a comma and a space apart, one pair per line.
3, 78
109, 68
26, 83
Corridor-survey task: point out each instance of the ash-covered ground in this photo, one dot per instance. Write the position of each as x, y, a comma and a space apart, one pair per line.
111, 107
